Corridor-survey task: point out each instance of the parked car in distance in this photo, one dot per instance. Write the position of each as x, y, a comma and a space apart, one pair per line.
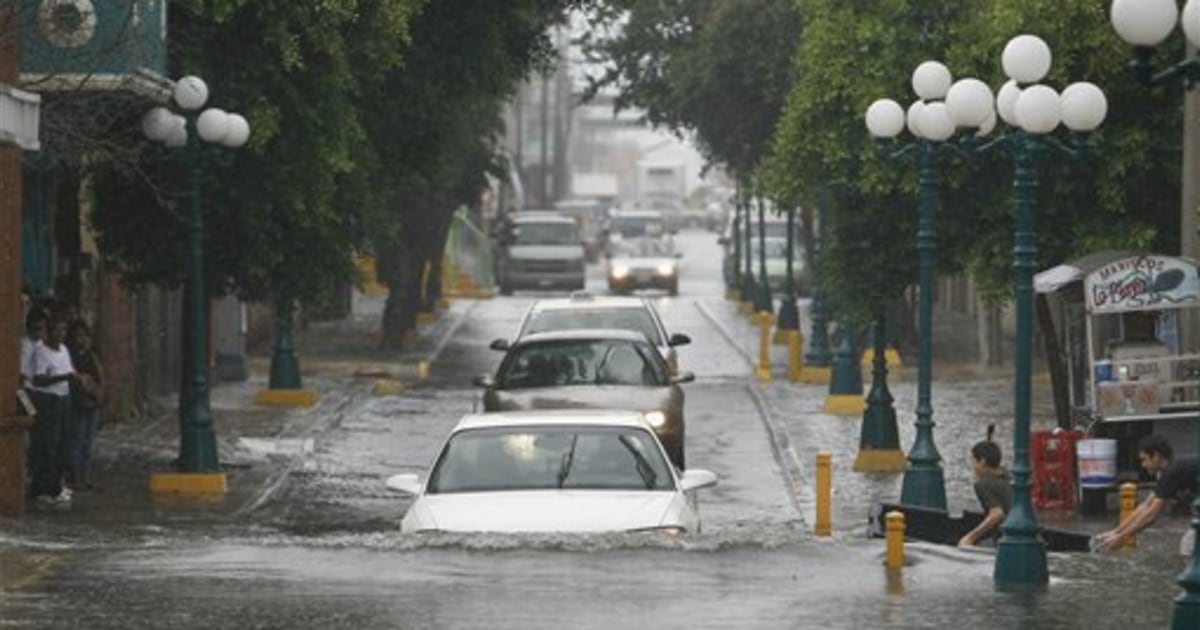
544, 252
584, 310
591, 368
577, 471
644, 262
775, 229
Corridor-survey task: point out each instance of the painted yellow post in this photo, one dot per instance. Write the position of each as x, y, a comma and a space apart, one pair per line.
895, 540
764, 346
795, 358
823, 526
1128, 505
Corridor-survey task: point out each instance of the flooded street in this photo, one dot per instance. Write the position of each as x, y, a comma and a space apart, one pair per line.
324, 551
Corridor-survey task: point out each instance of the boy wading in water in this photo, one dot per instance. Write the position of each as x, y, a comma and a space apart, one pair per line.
992, 488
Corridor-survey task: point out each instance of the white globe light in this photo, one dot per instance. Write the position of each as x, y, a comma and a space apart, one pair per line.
970, 102
913, 118
156, 123
930, 80
178, 135
191, 92
1190, 20
885, 118
1143, 22
1026, 58
239, 131
1083, 106
936, 124
1038, 109
213, 125
1006, 99
987, 126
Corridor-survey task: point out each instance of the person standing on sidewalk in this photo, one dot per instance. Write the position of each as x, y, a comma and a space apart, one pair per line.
1176, 486
87, 395
53, 374
35, 333
991, 488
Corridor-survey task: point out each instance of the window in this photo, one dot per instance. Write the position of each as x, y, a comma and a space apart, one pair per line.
582, 362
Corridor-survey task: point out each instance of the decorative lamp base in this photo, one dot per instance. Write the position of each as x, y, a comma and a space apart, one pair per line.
287, 397
200, 485
880, 460
815, 374
844, 404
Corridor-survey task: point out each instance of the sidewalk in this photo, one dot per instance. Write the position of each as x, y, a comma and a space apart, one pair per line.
257, 444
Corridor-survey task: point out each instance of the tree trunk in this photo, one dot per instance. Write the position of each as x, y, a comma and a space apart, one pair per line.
1055, 360
400, 270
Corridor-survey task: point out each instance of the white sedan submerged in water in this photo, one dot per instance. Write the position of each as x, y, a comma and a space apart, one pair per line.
579, 471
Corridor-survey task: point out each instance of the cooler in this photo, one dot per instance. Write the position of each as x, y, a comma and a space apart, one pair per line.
1053, 455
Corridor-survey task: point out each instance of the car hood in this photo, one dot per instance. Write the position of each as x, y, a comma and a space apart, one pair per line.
518, 511
545, 252
641, 262
580, 396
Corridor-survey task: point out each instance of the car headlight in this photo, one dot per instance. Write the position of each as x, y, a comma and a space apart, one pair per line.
620, 272
655, 419
666, 269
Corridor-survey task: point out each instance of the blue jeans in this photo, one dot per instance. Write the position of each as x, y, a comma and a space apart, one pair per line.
79, 434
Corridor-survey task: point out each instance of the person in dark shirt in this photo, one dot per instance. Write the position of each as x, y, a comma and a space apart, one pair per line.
1176, 485
991, 488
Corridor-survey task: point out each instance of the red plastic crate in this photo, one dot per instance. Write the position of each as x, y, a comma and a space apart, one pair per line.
1053, 455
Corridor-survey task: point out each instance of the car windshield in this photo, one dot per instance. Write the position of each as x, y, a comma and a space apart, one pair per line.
531, 233
635, 227
636, 319
645, 247
581, 362
550, 457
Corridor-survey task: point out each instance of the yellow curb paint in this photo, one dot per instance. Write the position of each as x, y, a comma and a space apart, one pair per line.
879, 460
890, 354
388, 388
815, 375
423, 370
781, 336
287, 397
198, 484
425, 318
845, 404
443, 304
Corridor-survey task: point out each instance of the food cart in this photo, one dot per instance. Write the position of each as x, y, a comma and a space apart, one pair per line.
1121, 322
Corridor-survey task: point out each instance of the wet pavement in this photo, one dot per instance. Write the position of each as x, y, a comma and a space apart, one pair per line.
307, 536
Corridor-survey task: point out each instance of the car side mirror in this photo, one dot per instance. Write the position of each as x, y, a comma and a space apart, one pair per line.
409, 483
683, 377
694, 479
484, 380
500, 345
679, 339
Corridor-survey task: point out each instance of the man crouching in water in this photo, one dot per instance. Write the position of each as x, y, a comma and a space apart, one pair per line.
992, 489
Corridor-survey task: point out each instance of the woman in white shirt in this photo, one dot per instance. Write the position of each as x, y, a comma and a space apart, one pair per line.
53, 373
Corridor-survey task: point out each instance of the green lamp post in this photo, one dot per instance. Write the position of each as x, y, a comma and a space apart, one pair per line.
762, 289
929, 121
285, 366
188, 134
747, 280
1145, 24
1033, 111
818, 356
789, 314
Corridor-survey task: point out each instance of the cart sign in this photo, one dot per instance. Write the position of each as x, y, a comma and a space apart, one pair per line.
1143, 282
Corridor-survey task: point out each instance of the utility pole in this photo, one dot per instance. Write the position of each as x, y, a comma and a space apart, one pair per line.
1189, 211
12, 427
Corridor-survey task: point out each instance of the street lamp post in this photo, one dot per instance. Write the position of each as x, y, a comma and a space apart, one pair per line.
819, 356
928, 120
748, 284
1033, 111
762, 289
198, 449
789, 314
1145, 25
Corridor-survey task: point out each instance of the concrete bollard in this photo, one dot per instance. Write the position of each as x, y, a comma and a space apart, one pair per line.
795, 358
895, 540
823, 526
1128, 505
764, 345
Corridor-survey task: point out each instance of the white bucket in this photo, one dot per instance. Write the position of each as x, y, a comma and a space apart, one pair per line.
1097, 463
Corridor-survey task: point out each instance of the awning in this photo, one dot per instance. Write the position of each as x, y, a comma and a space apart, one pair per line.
20, 113
1055, 278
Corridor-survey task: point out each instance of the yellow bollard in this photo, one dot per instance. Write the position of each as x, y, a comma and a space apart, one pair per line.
764, 346
1128, 505
795, 358
895, 540
823, 526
